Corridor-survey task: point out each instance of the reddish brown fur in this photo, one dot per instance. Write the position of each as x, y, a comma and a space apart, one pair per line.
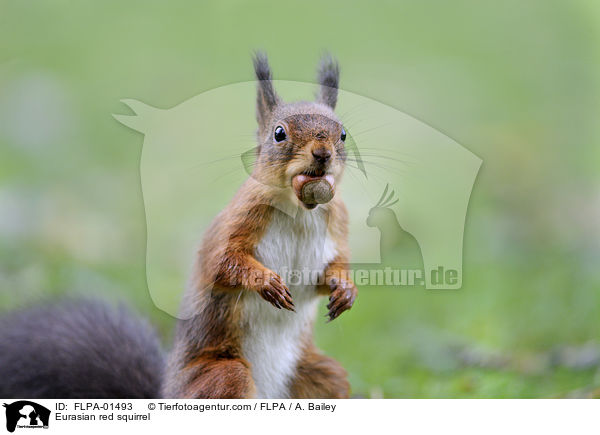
207, 360
224, 378
319, 377
226, 256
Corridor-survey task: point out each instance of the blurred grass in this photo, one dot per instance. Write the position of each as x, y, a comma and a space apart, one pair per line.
516, 83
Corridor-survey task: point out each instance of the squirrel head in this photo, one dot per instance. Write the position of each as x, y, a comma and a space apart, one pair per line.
300, 144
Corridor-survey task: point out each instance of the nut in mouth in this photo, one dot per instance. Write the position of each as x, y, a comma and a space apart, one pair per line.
312, 190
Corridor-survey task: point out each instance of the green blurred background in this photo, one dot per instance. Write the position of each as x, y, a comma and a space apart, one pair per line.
517, 83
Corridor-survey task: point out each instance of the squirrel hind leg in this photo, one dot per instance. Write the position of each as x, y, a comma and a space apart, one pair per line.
209, 377
319, 377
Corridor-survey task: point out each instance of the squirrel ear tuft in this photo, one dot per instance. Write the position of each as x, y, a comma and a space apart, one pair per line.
329, 77
266, 98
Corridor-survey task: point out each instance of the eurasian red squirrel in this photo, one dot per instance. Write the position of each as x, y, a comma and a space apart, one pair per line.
249, 333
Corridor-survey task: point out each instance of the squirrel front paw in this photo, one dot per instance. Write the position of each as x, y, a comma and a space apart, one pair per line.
343, 294
273, 290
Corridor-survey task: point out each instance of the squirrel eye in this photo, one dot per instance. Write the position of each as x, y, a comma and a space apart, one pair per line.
279, 134
343, 136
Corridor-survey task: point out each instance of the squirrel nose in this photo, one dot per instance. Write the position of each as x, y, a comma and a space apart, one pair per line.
321, 155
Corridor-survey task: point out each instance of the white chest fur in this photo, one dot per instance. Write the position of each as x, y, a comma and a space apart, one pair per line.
273, 338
